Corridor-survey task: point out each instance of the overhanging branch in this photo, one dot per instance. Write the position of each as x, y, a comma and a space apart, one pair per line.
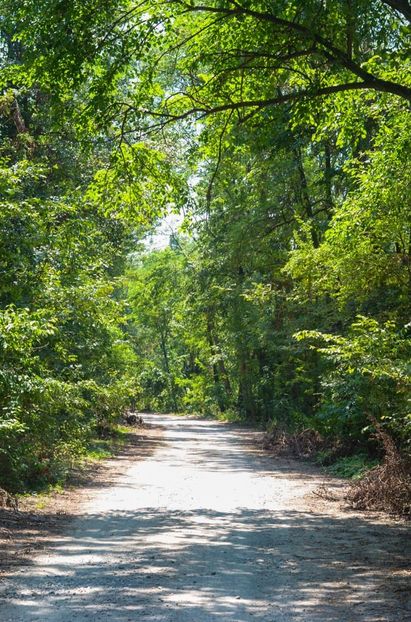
204, 110
322, 45
402, 6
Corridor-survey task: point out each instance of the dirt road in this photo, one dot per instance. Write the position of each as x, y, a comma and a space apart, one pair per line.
209, 529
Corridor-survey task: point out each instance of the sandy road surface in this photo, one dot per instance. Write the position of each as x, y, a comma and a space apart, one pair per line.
208, 529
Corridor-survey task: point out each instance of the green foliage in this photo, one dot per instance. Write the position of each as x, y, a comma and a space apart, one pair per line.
368, 378
281, 130
66, 365
351, 467
366, 247
140, 185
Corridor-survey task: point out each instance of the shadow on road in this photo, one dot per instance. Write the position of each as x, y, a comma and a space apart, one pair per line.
195, 565
209, 528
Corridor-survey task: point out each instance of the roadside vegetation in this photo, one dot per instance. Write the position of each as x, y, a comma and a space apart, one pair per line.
280, 131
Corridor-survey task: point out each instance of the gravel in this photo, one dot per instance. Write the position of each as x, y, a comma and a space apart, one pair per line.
209, 528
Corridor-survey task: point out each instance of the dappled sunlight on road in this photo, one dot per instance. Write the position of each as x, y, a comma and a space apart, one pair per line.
192, 536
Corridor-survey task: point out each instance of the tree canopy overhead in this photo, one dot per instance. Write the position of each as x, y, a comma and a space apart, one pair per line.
281, 132
170, 59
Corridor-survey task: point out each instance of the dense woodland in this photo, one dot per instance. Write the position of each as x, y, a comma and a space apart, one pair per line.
281, 132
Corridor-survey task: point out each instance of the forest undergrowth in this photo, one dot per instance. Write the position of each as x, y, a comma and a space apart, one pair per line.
277, 134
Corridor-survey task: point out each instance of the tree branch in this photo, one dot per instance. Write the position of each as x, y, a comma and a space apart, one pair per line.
204, 111
322, 45
402, 6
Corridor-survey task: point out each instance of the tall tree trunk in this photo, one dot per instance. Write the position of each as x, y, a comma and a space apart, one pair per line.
328, 178
220, 375
246, 402
305, 195
164, 350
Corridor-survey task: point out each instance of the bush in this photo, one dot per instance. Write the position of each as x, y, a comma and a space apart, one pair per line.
367, 378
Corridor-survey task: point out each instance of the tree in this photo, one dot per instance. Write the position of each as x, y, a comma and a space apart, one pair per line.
176, 59
65, 361
281, 129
